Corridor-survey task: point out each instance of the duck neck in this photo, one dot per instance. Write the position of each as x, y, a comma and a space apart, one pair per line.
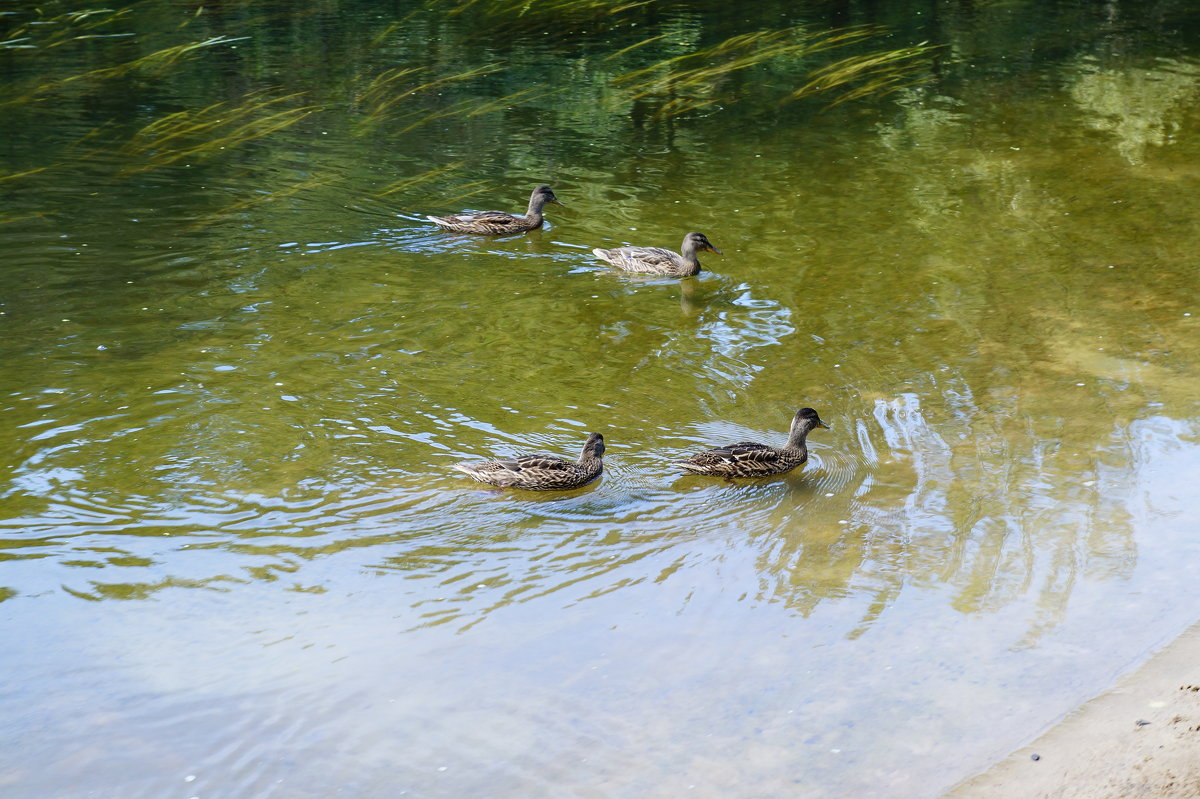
800, 430
688, 251
589, 461
536, 203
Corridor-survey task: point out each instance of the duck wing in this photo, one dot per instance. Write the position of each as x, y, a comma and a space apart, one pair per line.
652, 260
536, 463
524, 471
744, 452
492, 222
493, 217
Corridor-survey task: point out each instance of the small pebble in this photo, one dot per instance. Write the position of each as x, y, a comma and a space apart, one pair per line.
1035, 756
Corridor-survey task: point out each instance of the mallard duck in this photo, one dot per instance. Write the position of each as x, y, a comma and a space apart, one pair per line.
658, 261
749, 459
541, 472
498, 223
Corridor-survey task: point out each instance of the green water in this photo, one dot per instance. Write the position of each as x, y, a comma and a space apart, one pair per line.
236, 364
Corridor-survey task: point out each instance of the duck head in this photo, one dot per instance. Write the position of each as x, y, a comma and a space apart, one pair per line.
700, 243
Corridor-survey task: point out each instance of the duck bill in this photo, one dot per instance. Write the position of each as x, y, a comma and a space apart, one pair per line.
711, 248
822, 424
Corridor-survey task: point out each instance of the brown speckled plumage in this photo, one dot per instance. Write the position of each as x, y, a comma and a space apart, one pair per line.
749, 459
541, 472
498, 223
659, 261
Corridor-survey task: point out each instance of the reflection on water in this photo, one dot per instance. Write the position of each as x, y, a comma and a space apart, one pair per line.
231, 547
1140, 107
862, 545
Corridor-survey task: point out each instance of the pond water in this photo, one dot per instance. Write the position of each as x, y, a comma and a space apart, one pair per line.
236, 365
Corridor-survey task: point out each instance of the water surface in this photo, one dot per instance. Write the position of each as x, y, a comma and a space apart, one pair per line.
236, 563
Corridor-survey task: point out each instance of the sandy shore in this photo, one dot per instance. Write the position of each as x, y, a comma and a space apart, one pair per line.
1141, 739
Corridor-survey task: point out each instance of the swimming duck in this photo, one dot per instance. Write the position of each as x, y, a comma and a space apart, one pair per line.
498, 223
659, 261
749, 459
541, 472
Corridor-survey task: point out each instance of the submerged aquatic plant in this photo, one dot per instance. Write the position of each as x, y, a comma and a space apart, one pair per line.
26, 173
391, 96
548, 8
498, 20
381, 94
211, 130
467, 108
154, 62
223, 214
875, 73
407, 183
39, 32
466, 190
694, 80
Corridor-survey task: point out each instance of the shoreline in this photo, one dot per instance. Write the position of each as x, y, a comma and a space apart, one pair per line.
1140, 738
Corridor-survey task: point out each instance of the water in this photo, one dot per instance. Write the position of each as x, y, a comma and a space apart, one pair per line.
236, 562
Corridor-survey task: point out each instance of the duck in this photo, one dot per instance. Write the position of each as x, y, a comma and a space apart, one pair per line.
541, 472
751, 459
659, 261
498, 223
